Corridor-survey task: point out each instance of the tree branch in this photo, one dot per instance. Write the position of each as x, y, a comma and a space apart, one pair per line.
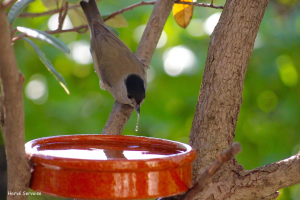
144, 52
79, 29
260, 183
222, 158
50, 12
153, 30
117, 119
12, 114
267, 180
211, 5
142, 3
62, 15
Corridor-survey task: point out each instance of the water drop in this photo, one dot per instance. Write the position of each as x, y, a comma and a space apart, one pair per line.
137, 123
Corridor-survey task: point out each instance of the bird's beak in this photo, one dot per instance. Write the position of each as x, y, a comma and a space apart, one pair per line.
137, 108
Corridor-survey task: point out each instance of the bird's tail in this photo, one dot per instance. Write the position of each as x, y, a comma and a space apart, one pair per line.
91, 11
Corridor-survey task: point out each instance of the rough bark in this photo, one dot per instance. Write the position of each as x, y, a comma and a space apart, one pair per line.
204, 178
218, 107
219, 104
221, 91
216, 114
117, 119
121, 113
263, 182
12, 115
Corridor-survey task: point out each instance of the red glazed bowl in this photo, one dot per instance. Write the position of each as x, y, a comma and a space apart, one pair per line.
109, 166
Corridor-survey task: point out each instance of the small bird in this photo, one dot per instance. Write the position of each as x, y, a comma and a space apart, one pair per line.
119, 70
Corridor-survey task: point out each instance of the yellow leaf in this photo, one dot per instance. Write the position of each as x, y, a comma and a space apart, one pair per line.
77, 17
52, 4
117, 22
183, 13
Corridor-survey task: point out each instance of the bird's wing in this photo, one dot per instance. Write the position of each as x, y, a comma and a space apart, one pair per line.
114, 58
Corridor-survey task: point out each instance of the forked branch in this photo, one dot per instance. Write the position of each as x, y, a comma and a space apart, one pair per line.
203, 179
62, 15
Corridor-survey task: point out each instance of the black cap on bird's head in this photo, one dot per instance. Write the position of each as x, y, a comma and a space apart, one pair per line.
135, 90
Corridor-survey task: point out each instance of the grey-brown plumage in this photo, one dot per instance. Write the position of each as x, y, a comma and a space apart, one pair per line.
120, 72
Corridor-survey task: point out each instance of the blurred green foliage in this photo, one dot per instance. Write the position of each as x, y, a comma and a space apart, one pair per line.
268, 125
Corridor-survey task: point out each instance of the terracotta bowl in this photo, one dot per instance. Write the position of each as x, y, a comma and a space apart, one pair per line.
109, 166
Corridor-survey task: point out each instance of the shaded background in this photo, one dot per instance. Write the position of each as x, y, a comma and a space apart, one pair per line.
268, 124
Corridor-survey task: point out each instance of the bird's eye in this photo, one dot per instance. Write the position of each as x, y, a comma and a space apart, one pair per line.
129, 96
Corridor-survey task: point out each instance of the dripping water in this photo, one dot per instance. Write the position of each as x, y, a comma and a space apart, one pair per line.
137, 123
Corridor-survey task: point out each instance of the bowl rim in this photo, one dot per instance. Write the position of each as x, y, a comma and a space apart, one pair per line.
150, 164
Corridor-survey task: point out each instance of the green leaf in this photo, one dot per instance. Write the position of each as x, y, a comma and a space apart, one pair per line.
77, 17
112, 29
51, 4
41, 35
49, 65
117, 21
16, 9
73, 1
105, 15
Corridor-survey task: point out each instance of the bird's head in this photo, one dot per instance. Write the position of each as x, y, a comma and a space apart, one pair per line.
135, 90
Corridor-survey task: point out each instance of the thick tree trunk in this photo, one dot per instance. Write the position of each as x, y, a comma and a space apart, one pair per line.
221, 91
220, 97
12, 116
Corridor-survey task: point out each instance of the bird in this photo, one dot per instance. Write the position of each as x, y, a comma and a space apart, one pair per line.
119, 70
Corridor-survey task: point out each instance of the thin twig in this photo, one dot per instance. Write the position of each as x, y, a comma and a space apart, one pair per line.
222, 158
142, 3
59, 16
200, 4
50, 12
78, 29
62, 16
